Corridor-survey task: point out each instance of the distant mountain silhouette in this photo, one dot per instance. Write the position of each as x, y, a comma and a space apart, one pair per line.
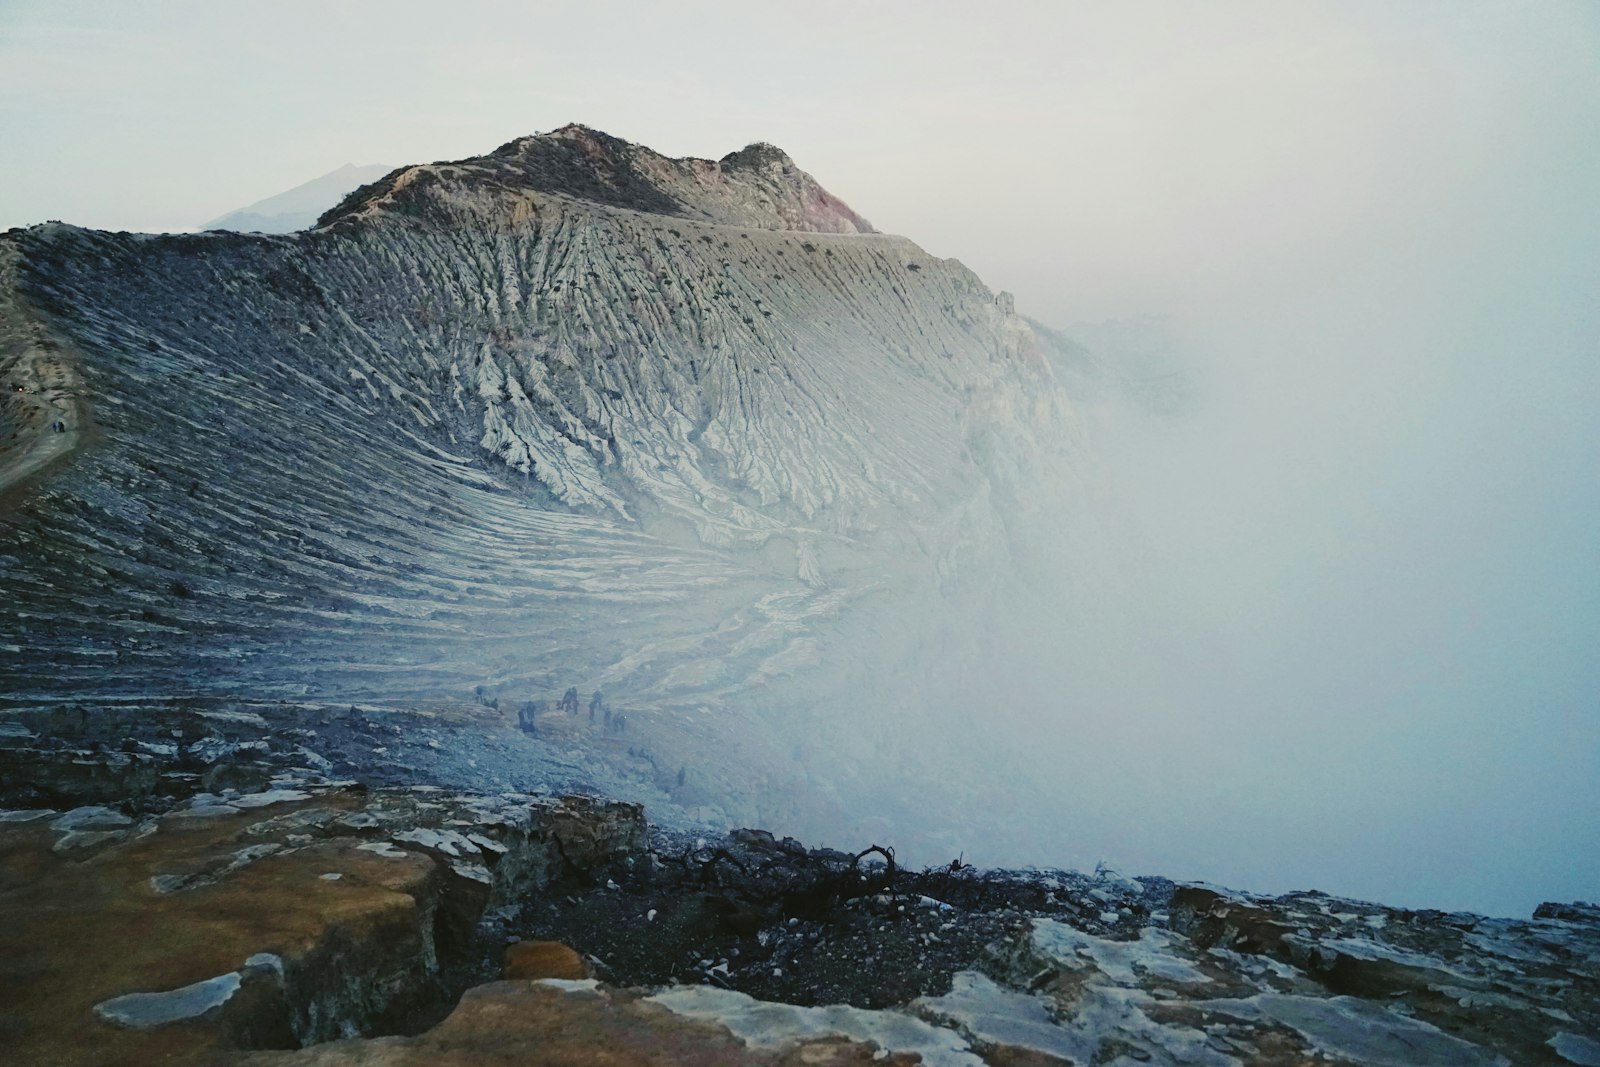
298, 208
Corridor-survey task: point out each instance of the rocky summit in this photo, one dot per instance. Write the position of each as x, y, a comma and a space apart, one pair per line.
492, 626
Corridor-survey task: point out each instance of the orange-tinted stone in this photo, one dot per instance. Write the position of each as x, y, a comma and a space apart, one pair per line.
542, 959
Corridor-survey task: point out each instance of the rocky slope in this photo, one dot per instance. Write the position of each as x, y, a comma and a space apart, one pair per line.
571, 413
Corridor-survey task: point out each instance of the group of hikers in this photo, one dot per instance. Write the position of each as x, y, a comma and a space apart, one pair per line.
615, 722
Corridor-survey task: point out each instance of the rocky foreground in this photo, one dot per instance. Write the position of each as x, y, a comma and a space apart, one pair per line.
223, 897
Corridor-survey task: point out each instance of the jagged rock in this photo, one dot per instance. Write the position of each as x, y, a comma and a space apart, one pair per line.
244, 776
1576, 912
1501, 984
95, 817
33, 776
1213, 917
585, 831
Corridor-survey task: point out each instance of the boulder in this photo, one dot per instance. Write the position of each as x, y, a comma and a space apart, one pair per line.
542, 959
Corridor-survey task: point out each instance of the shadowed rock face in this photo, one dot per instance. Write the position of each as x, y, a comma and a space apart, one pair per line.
571, 413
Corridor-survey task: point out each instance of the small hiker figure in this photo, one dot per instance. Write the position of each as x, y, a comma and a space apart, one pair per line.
596, 702
683, 773
528, 718
620, 722
607, 719
569, 700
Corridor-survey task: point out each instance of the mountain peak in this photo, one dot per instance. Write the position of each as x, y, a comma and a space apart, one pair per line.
757, 186
757, 155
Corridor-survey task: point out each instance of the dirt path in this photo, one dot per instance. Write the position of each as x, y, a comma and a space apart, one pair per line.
43, 416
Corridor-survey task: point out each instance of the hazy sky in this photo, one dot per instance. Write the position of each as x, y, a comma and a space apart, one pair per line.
1081, 153
1375, 652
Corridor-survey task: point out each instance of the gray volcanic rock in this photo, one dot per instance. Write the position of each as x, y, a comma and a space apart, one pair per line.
570, 414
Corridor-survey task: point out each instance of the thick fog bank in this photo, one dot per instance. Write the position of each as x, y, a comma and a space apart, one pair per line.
1350, 639
1330, 613
1351, 643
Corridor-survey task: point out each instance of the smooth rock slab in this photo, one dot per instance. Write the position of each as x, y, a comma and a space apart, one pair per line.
270, 796
1575, 1048
92, 817
142, 1011
1359, 1031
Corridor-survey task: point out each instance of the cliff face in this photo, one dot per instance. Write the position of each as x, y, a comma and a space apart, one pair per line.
568, 414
